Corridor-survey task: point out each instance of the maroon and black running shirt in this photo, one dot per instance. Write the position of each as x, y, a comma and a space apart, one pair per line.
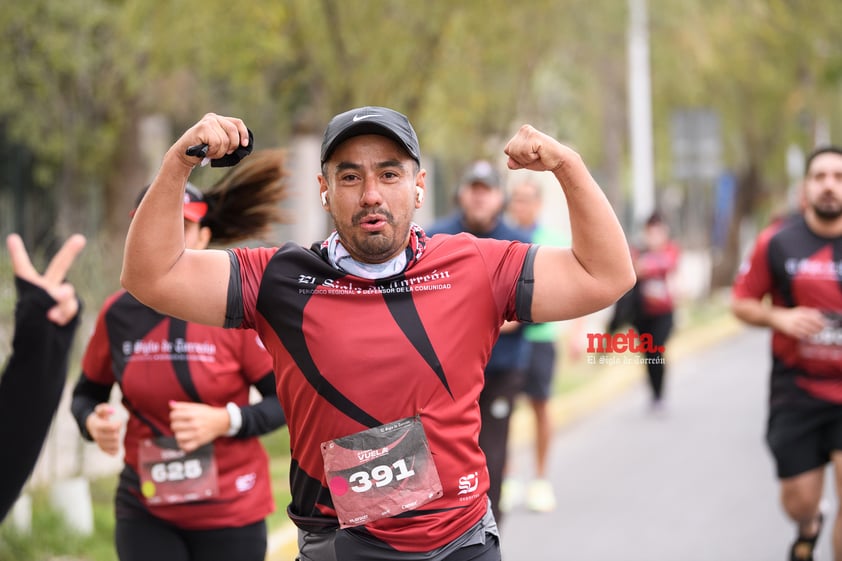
156, 359
351, 354
798, 268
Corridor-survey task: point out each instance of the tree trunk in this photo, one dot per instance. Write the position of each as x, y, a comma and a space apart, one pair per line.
748, 188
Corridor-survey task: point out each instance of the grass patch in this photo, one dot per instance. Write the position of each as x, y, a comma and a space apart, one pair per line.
51, 539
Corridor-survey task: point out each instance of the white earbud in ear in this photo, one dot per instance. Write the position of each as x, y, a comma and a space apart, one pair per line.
419, 194
324, 198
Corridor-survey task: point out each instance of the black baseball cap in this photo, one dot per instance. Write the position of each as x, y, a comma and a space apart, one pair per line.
370, 120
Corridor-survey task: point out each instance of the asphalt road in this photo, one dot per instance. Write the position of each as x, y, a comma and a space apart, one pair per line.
696, 483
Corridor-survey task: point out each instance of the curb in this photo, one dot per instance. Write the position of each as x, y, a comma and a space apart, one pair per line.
282, 544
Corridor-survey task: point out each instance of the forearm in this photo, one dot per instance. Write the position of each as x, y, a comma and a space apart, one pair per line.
261, 418
158, 269
597, 269
264, 416
155, 240
86, 396
753, 312
35, 375
598, 240
31, 386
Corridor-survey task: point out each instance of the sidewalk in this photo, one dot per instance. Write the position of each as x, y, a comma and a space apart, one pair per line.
604, 382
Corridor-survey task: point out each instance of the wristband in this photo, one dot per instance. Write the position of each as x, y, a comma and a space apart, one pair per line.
236, 416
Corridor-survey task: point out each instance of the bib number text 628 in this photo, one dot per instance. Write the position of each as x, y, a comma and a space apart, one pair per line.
176, 471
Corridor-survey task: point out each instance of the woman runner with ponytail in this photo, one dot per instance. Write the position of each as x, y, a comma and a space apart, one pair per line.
196, 482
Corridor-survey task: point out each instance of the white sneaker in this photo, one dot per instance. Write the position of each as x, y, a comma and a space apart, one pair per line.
540, 496
511, 494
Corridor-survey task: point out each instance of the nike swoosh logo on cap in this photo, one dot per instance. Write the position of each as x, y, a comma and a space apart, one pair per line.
361, 117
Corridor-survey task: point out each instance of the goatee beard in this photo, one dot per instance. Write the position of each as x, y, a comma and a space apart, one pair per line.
827, 214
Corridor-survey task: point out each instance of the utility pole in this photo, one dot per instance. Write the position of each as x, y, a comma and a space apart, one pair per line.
640, 113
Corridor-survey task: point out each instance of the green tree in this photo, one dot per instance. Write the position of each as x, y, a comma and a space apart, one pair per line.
80, 76
770, 70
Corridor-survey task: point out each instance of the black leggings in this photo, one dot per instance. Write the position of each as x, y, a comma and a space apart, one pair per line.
149, 538
659, 327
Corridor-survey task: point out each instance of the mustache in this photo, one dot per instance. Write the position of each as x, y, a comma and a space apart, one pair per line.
362, 215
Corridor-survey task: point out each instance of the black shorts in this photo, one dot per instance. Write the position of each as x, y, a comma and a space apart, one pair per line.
802, 436
539, 374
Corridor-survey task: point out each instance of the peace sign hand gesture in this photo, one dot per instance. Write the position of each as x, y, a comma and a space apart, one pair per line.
53, 279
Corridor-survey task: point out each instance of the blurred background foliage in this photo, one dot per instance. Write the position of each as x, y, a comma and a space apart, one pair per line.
79, 76
81, 80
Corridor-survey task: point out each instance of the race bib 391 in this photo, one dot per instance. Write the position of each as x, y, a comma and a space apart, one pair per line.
380, 472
